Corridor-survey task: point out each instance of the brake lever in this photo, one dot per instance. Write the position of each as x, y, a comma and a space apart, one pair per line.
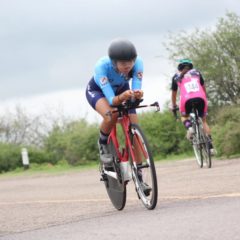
156, 104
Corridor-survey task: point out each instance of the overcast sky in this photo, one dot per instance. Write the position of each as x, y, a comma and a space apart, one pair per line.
52, 45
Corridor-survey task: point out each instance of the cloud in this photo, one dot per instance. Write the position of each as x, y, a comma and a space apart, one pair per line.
53, 45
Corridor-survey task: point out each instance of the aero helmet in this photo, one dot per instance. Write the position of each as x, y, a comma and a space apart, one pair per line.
122, 49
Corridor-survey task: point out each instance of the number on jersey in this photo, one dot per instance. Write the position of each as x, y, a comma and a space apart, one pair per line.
192, 86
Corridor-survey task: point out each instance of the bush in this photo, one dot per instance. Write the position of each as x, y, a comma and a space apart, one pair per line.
76, 142
164, 134
226, 133
10, 157
40, 156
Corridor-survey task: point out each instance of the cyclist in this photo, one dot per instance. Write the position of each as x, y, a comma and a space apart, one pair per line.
192, 89
110, 87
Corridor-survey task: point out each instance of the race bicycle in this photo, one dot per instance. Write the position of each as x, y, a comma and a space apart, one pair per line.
126, 144
200, 141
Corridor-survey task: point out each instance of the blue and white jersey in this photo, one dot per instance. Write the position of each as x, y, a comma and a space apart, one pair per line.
110, 80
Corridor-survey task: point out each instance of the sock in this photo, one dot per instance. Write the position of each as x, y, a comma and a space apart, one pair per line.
103, 137
187, 123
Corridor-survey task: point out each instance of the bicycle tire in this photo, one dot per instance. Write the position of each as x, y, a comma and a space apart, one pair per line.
196, 144
206, 154
148, 168
116, 188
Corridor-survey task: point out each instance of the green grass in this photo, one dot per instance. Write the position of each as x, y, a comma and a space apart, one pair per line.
45, 169
63, 167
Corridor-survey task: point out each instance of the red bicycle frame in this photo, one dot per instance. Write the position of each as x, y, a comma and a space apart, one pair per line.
124, 156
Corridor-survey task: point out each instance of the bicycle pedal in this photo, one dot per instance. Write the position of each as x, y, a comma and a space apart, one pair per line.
147, 192
103, 177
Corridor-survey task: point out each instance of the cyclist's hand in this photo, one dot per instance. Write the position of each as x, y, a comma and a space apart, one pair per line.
128, 94
175, 109
138, 94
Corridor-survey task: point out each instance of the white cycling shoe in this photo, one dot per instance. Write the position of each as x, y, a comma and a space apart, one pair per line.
105, 156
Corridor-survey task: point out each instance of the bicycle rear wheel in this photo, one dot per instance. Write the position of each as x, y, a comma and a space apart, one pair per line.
145, 172
115, 186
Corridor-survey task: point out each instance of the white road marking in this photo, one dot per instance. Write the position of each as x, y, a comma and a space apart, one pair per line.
62, 201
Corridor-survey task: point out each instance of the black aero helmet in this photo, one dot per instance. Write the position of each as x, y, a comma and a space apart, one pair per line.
185, 63
122, 49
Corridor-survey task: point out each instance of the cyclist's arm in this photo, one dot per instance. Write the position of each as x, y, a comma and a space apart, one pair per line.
174, 98
174, 88
202, 83
100, 77
137, 74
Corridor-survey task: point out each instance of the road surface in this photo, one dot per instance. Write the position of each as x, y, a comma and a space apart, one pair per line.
193, 203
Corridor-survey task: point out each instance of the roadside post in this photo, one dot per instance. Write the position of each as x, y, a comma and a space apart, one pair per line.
25, 158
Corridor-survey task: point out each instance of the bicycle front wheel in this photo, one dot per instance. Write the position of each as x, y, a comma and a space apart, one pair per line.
206, 154
115, 186
143, 168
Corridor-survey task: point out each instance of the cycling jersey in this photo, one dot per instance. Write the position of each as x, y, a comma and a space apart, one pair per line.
176, 78
191, 87
109, 80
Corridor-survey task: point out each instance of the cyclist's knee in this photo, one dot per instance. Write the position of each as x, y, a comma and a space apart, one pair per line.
109, 117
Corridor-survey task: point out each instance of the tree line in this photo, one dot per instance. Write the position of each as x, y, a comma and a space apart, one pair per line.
215, 53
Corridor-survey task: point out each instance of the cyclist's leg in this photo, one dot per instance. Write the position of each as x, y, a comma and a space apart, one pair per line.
109, 120
185, 110
202, 111
206, 126
99, 103
203, 114
209, 136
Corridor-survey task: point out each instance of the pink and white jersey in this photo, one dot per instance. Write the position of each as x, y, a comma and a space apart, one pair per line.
190, 87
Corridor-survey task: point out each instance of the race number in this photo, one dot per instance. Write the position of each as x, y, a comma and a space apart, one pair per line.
192, 86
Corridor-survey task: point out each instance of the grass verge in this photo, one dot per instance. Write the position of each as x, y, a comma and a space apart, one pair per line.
47, 168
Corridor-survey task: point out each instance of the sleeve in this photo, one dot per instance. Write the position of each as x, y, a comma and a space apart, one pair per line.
100, 77
137, 74
201, 79
174, 86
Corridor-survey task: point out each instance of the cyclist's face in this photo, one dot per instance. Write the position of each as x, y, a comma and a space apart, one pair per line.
124, 66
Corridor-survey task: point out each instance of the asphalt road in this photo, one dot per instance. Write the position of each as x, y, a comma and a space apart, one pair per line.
193, 203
